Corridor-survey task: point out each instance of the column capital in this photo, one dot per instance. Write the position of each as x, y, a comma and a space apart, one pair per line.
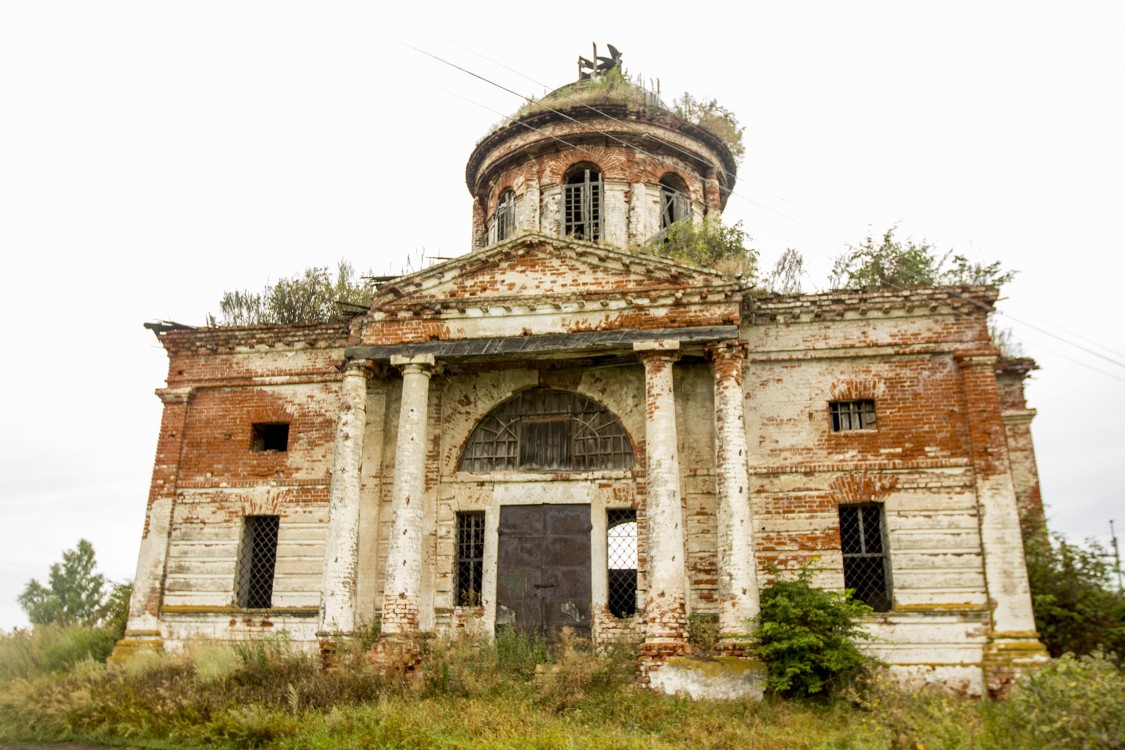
364, 367
416, 363
975, 359
662, 350
175, 395
725, 349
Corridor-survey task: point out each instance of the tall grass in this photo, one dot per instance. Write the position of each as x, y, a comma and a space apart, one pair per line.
512, 692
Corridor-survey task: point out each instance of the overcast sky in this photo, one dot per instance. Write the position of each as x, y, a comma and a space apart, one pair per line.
154, 154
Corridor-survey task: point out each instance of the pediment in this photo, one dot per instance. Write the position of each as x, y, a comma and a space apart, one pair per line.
546, 269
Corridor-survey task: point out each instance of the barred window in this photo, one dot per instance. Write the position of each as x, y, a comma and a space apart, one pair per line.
582, 202
469, 560
505, 216
852, 415
865, 556
621, 537
256, 561
269, 436
546, 429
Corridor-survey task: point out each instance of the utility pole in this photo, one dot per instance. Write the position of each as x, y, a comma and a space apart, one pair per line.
1116, 556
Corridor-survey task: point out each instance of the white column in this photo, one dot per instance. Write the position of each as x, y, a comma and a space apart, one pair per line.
1013, 644
402, 588
665, 607
738, 569
142, 631
341, 548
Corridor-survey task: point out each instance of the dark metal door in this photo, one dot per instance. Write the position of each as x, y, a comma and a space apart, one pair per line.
543, 568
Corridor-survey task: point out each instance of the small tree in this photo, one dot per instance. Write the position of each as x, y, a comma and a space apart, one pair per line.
310, 297
1076, 607
807, 637
902, 264
709, 243
786, 275
75, 594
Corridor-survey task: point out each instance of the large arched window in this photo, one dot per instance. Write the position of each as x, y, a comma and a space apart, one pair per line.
582, 202
545, 429
675, 205
505, 216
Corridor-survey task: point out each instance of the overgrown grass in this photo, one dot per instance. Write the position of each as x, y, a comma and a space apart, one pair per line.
515, 692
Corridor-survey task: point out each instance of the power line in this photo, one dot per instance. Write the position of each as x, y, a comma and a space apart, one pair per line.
638, 149
600, 132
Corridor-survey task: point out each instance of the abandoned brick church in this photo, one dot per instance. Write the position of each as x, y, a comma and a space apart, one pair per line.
559, 429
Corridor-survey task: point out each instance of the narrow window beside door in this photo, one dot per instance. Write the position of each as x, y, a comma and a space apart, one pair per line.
469, 565
256, 562
622, 548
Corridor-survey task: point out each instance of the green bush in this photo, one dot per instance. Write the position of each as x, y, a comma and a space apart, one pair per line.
48, 649
806, 637
1076, 607
1075, 702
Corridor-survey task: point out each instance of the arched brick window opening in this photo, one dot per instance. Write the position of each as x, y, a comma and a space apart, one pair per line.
504, 219
675, 203
546, 429
582, 202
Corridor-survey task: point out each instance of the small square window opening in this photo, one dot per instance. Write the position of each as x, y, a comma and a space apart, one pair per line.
269, 436
852, 415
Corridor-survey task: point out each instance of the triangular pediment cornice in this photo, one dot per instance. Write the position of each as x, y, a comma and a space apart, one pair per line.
594, 270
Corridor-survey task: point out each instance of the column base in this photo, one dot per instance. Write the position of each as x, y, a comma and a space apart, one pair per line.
1009, 655
136, 642
738, 646
397, 653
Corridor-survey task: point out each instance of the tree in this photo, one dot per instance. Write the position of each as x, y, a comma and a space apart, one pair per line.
709, 243
1076, 607
786, 275
75, 594
897, 264
310, 297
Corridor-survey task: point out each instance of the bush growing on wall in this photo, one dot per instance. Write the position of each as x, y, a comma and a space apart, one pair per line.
807, 638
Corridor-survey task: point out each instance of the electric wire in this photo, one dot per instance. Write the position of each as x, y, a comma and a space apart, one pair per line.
531, 100
596, 131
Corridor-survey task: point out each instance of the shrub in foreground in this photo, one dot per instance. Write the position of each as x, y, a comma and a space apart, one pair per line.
807, 638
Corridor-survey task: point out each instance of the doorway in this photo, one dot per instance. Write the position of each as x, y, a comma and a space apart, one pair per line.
543, 569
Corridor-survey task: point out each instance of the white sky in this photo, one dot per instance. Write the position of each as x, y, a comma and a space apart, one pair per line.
154, 154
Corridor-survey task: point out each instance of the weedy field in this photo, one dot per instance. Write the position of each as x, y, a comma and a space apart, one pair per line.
511, 692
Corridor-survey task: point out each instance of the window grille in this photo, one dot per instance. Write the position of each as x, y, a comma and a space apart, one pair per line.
582, 203
852, 415
547, 429
865, 557
256, 561
505, 217
269, 436
621, 537
469, 561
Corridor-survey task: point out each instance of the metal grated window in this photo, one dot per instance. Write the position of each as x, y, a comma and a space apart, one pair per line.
269, 436
469, 560
621, 537
256, 561
865, 557
852, 415
582, 203
546, 429
505, 217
